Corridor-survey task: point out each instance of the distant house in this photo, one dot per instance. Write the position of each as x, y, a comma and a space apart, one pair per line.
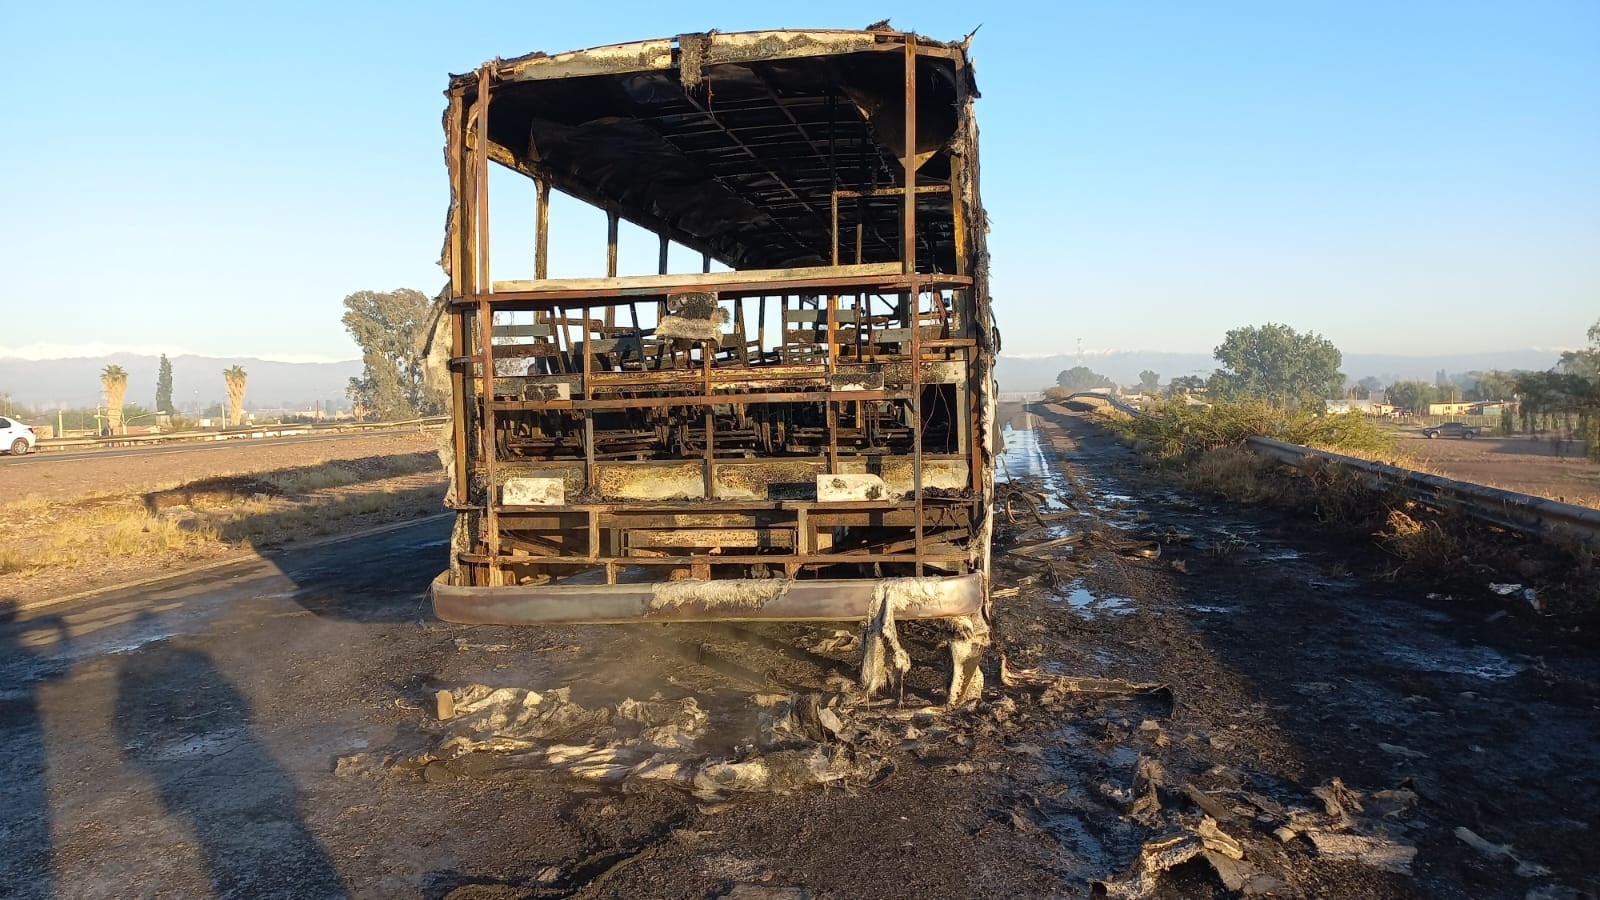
1365, 407
1466, 408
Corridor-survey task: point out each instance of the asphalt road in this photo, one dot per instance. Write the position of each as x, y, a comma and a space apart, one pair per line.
163, 449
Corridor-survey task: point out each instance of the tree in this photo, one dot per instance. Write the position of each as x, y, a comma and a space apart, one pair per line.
1149, 381
235, 376
1584, 363
1412, 396
1492, 385
1277, 364
1368, 386
164, 386
1082, 378
115, 382
391, 329
1185, 384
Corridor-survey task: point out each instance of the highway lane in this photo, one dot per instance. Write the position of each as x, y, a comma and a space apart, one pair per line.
165, 449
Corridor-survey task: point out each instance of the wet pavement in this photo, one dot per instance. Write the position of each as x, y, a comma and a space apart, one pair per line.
251, 731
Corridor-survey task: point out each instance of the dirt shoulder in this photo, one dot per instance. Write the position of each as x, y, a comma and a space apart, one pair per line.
74, 525
1526, 464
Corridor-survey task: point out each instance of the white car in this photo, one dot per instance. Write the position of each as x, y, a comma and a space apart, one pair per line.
15, 437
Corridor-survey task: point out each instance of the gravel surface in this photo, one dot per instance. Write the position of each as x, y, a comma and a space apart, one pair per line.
244, 733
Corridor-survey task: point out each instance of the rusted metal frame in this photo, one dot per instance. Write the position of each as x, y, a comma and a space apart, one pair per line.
958, 214
787, 114
822, 600
481, 287
541, 247
732, 188
832, 363
711, 430
886, 284
833, 228
459, 397
908, 260
895, 191
588, 411
792, 375
661, 305
611, 264
748, 151
804, 559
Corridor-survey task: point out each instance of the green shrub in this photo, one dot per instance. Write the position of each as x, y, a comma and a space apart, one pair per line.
1174, 428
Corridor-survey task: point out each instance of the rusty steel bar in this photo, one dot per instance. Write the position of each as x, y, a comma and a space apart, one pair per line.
515, 298
895, 191
482, 285
541, 247
702, 601
908, 236
700, 400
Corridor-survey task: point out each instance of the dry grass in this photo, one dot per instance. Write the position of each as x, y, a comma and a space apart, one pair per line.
103, 534
1232, 472
107, 533
1426, 544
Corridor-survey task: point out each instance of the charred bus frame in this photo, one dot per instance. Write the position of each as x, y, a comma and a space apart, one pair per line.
798, 437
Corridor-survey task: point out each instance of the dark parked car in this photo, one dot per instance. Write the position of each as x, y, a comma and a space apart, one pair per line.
1452, 429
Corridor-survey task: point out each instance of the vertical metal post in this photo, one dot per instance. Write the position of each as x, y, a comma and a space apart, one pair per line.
611, 243
588, 412
832, 364
541, 247
705, 262
908, 206
661, 263
459, 231
611, 266
711, 425
481, 288
908, 260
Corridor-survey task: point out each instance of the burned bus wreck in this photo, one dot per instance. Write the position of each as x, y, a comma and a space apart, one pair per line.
803, 434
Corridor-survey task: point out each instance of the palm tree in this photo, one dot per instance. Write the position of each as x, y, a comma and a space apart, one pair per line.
235, 376
115, 382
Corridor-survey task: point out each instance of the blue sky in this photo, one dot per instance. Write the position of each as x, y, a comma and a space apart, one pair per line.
1402, 177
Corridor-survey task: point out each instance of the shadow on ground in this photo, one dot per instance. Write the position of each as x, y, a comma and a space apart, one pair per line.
185, 726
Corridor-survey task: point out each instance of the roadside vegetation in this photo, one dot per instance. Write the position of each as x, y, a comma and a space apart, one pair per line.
1277, 383
1172, 428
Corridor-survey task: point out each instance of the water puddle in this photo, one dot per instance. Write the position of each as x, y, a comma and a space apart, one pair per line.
1087, 604
1474, 662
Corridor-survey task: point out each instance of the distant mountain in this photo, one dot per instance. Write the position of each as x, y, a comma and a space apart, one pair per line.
1017, 374
196, 381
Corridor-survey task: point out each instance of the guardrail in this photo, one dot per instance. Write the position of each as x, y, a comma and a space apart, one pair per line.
1508, 509
231, 434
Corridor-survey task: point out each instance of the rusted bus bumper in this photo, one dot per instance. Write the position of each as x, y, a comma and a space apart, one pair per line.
723, 600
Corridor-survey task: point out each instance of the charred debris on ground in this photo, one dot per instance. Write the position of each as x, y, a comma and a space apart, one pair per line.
1203, 449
